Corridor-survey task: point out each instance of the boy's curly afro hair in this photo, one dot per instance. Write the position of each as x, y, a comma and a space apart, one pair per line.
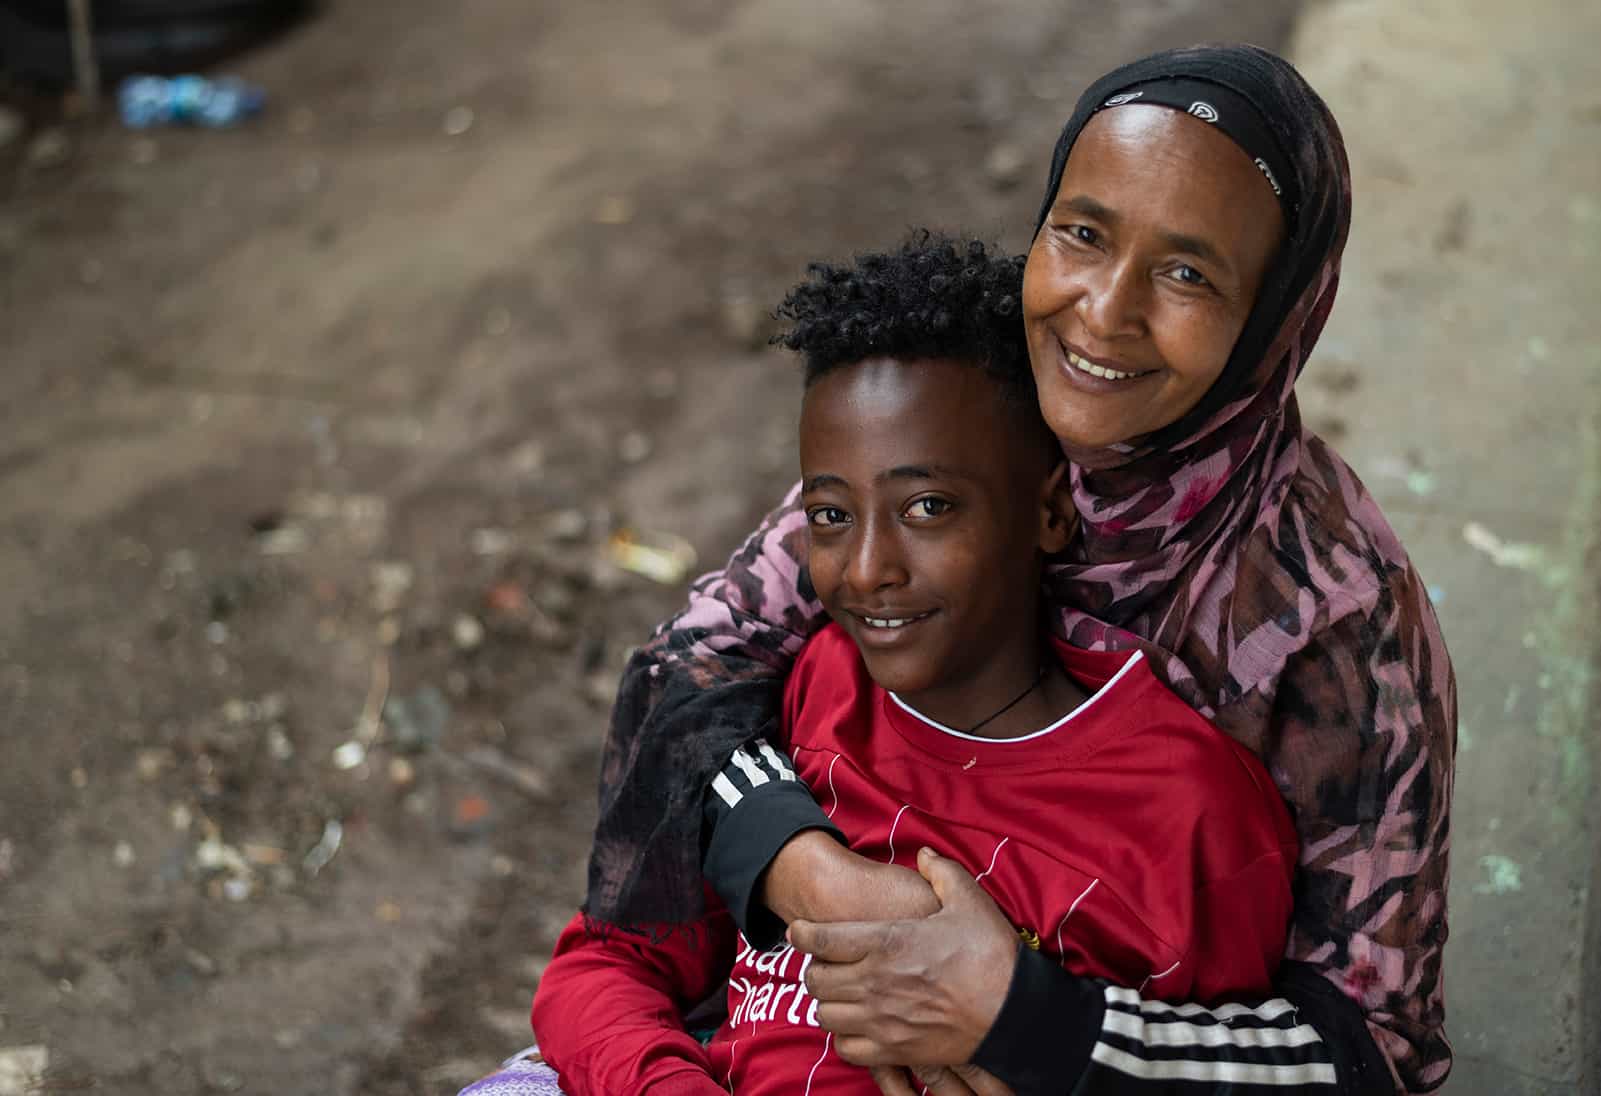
933, 297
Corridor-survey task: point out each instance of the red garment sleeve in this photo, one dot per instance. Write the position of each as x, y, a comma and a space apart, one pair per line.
1240, 924
608, 1012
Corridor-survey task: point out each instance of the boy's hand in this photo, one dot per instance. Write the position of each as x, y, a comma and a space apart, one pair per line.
815, 878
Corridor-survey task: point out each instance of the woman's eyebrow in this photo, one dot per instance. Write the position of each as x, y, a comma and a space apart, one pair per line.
1089, 207
1200, 248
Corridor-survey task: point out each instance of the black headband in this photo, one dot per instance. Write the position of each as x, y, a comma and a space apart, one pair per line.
1230, 112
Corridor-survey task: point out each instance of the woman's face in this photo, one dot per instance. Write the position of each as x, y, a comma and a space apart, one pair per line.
1144, 273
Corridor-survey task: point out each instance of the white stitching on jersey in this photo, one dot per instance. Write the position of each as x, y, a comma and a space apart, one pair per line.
1069, 913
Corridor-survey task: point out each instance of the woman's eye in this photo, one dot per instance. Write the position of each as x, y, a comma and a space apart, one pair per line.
824, 517
1084, 234
928, 508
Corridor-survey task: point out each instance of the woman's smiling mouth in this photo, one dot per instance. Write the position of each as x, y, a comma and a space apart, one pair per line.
1096, 371
1084, 365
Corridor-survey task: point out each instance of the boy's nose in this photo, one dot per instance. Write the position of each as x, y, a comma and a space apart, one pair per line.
875, 562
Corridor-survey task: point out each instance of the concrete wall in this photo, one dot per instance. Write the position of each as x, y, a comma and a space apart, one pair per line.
1460, 374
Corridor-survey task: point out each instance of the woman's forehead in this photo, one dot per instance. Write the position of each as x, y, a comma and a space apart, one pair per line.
1147, 132
1140, 160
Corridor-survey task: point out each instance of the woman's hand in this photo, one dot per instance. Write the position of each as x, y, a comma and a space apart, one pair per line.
938, 1081
815, 878
913, 992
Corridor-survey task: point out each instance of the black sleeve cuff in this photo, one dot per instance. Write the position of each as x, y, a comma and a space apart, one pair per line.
1042, 1038
744, 840
1358, 1062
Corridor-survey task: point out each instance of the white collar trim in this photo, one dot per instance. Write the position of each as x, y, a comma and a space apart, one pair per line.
964, 736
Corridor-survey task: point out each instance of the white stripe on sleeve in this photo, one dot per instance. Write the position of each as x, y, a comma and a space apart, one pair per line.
725, 790
1268, 1010
1238, 1073
776, 760
1177, 1033
747, 765
1233, 1045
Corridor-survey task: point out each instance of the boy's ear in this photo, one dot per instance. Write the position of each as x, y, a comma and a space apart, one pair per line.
1058, 518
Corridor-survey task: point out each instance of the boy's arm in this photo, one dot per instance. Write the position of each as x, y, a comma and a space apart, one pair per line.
608, 1012
1237, 940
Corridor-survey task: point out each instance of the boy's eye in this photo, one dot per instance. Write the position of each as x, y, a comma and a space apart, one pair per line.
1189, 275
928, 507
824, 517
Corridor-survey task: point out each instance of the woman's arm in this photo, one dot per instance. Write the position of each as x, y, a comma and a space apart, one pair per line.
926, 992
1305, 1038
607, 1013
708, 681
1369, 782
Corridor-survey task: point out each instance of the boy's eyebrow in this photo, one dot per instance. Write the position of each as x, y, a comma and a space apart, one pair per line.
821, 480
919, 471
904, 471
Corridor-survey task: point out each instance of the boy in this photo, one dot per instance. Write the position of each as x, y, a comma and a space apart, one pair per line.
1121, 834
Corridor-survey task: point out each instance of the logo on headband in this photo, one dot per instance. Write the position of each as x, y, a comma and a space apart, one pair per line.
1267, 171
1203, 110
1119, 100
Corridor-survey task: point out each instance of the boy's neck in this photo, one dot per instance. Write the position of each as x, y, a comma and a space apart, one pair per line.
1019, 692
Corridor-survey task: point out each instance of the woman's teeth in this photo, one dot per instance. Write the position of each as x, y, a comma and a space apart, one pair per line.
1094, 370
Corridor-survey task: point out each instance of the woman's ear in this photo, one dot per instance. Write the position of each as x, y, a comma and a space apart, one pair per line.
1058, 518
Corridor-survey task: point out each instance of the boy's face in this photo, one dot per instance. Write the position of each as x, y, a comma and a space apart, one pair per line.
926, 500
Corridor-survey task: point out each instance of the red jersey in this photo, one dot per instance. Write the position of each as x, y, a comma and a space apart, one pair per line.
1130, 840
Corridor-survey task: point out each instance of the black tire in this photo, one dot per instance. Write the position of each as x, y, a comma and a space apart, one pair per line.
157, 36
112, 14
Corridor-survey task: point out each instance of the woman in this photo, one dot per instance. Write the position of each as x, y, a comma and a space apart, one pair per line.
1185, 260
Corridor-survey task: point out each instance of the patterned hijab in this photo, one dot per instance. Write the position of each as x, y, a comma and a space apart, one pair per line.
1193, 545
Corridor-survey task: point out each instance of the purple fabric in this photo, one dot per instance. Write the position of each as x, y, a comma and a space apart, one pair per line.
520, 1076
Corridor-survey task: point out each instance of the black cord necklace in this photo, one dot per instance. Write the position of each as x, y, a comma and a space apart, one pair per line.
1014, 702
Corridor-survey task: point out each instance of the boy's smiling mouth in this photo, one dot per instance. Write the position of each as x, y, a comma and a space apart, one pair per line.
890, 621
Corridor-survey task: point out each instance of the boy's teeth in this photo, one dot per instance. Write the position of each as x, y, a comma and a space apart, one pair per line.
1095, 370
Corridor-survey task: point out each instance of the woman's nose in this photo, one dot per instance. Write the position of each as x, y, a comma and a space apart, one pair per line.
1112, 305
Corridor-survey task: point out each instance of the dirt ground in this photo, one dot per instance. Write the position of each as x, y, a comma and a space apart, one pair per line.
313, 438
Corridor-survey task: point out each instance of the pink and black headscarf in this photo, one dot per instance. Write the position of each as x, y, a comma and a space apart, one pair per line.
1258, 574
1192, 545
